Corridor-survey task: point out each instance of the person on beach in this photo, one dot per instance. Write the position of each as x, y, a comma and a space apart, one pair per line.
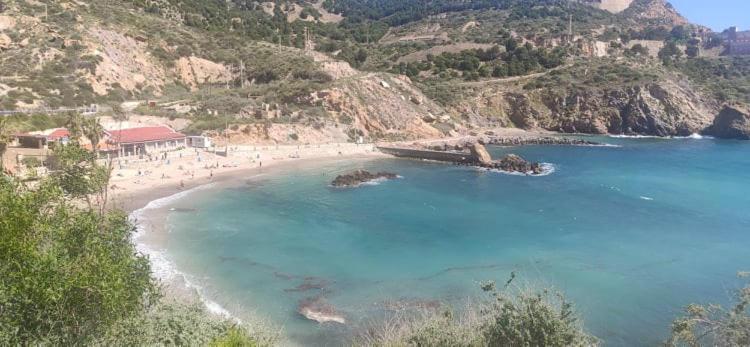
260, 164
211, 174
182, 184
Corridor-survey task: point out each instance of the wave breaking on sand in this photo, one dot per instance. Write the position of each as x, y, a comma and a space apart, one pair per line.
163, 268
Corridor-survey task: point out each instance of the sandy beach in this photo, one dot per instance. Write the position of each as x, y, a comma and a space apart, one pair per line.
135, 182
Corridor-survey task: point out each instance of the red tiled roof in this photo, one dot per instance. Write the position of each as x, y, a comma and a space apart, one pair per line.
58, 134
145, 134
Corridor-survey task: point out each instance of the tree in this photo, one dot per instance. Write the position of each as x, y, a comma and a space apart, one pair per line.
713, 325
679, 33
70, 274
79, 176
66, 273
670, 53
5, 139
637, 49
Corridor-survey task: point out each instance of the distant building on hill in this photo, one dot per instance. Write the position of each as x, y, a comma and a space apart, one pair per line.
738, 42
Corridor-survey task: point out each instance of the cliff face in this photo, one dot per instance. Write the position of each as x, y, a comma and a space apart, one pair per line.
733, 122
380, 106
651, 109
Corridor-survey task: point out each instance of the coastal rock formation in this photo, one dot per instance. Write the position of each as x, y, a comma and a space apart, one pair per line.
733, 122
368, 108
664, 109
509, 163
318, 310
514, 163
358, 177
480, 154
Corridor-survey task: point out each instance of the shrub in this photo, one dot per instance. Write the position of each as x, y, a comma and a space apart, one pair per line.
713, 325
511, 317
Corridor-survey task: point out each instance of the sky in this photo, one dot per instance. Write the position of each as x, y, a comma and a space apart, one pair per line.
716, 14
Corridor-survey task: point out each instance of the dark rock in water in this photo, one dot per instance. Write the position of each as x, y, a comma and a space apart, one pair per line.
358, 177
514, 163
733, 122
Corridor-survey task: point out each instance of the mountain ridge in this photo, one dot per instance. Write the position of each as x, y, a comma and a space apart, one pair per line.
261, 68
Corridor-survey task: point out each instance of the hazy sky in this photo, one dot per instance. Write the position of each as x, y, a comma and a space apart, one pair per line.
716, 14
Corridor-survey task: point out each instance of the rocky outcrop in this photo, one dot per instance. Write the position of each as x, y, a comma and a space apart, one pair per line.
358, 177
509, 163
664, 109
480, 154
733, 122
377, 110
654, 12
194, 71
514, 163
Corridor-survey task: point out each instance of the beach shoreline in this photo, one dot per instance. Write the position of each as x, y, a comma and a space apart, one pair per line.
142, 188
145, 205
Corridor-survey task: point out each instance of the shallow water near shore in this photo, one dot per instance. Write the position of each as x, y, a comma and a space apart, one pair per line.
629, 233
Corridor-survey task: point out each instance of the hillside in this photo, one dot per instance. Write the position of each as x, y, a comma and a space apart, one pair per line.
382, 70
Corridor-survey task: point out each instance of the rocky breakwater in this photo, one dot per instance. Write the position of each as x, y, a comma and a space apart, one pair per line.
509, 163
547, 140
359, 177
464, 145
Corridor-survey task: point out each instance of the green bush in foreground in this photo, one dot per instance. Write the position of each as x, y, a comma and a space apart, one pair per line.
70, 275
511, 317
174, 324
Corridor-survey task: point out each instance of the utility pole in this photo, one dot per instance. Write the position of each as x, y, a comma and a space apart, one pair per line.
278, 33
231, 73
242, 73
570, 28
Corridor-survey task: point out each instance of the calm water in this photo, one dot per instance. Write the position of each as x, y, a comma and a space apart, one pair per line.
630, 234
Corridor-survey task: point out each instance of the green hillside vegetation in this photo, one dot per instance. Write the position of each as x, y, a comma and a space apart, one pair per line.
513, 60
727, 79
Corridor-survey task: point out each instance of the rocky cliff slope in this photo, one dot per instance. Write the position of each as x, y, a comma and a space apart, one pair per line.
289, 73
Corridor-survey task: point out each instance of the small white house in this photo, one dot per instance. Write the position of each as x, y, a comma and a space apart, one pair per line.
199, 141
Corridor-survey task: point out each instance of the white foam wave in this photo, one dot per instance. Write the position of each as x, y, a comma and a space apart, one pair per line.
600, 145
694, 136
163, 268
620, 136
646, 198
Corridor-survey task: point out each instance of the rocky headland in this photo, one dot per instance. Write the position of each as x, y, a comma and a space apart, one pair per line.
359, 177
732, 122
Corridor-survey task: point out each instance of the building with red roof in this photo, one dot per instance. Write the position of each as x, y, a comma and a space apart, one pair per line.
145, 140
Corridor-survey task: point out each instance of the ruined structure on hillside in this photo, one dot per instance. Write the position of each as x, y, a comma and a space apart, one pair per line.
738, 42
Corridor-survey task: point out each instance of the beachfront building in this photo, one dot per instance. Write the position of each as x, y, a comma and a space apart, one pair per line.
199, 141
146, 140
41, 139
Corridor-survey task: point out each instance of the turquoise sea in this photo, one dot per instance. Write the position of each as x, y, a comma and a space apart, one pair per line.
630, 233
